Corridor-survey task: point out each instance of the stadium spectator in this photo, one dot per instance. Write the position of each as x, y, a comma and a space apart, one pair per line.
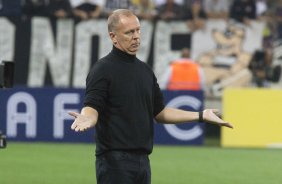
227, 64
243, 11
122, 98
170, 11
217, 9
144, 9
161, 2
87, 9
194, 14
265, 15
35, 8
183, 74
261, 7
112, 5
10, 8
262, 68
60, 9
278, 17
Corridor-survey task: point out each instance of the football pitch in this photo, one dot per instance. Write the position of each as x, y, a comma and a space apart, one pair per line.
49, 163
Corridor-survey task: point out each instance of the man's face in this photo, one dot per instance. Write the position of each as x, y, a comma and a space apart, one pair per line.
126, 35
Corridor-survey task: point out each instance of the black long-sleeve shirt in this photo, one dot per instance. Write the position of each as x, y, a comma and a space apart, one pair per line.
125, 93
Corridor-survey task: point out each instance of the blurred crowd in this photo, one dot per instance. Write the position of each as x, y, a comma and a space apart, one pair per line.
194, 12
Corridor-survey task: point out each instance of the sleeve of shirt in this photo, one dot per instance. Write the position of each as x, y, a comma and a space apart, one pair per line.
158, 98
96, 88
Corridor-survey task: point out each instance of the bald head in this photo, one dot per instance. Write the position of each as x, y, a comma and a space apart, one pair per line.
114, 18
124, 31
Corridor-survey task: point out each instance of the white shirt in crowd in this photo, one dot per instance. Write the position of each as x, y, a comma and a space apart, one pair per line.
161, 2
75, 3
217, 6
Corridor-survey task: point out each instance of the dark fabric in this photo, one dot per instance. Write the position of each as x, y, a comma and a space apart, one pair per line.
123, 168
87, 7
173, 8
56, 5
112, 5
35, 7
189, 16
243, 9
125, 93
10, 8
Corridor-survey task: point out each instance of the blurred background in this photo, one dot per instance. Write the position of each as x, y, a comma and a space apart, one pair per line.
224, 54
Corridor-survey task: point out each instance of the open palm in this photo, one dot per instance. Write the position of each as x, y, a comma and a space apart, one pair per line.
81, 122
211, 116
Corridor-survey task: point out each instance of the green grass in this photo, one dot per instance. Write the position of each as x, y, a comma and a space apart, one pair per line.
42, 163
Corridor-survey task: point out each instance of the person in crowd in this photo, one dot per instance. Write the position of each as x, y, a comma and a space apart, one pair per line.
243, 11
35, 8
195, 14
170, 11
60, 9
217, 9
183, 74
161, 2
262, 68
87, 9
278, 18
121, 100
145, 9
261, 7
112, 5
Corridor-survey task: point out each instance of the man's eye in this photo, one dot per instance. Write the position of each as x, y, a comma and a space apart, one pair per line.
129, 32
132, 32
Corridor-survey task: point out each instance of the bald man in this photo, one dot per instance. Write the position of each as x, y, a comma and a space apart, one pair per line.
122, 99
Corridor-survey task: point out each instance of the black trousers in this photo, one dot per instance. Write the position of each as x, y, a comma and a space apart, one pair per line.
118, 167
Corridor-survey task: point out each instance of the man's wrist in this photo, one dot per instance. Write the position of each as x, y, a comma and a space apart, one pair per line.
201, 116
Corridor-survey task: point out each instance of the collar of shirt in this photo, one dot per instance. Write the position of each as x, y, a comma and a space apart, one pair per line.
123, 55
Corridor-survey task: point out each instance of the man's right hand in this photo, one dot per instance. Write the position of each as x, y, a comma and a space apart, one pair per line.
87, 119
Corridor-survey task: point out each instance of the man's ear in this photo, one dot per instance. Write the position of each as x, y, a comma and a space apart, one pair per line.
113, 37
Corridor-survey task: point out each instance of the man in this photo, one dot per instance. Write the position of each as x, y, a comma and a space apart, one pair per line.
170, 10
183, 74
111, 5
59, 9
122, 98
243, 11
216, 9
87, 9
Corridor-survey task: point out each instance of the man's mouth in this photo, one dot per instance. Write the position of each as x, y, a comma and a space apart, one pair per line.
135, 45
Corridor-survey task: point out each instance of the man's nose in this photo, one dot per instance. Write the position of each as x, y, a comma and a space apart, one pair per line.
136, 35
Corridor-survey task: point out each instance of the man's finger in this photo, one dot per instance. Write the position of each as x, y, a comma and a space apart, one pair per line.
73, 126
228, 125
216, 112
74, 114
77, 129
